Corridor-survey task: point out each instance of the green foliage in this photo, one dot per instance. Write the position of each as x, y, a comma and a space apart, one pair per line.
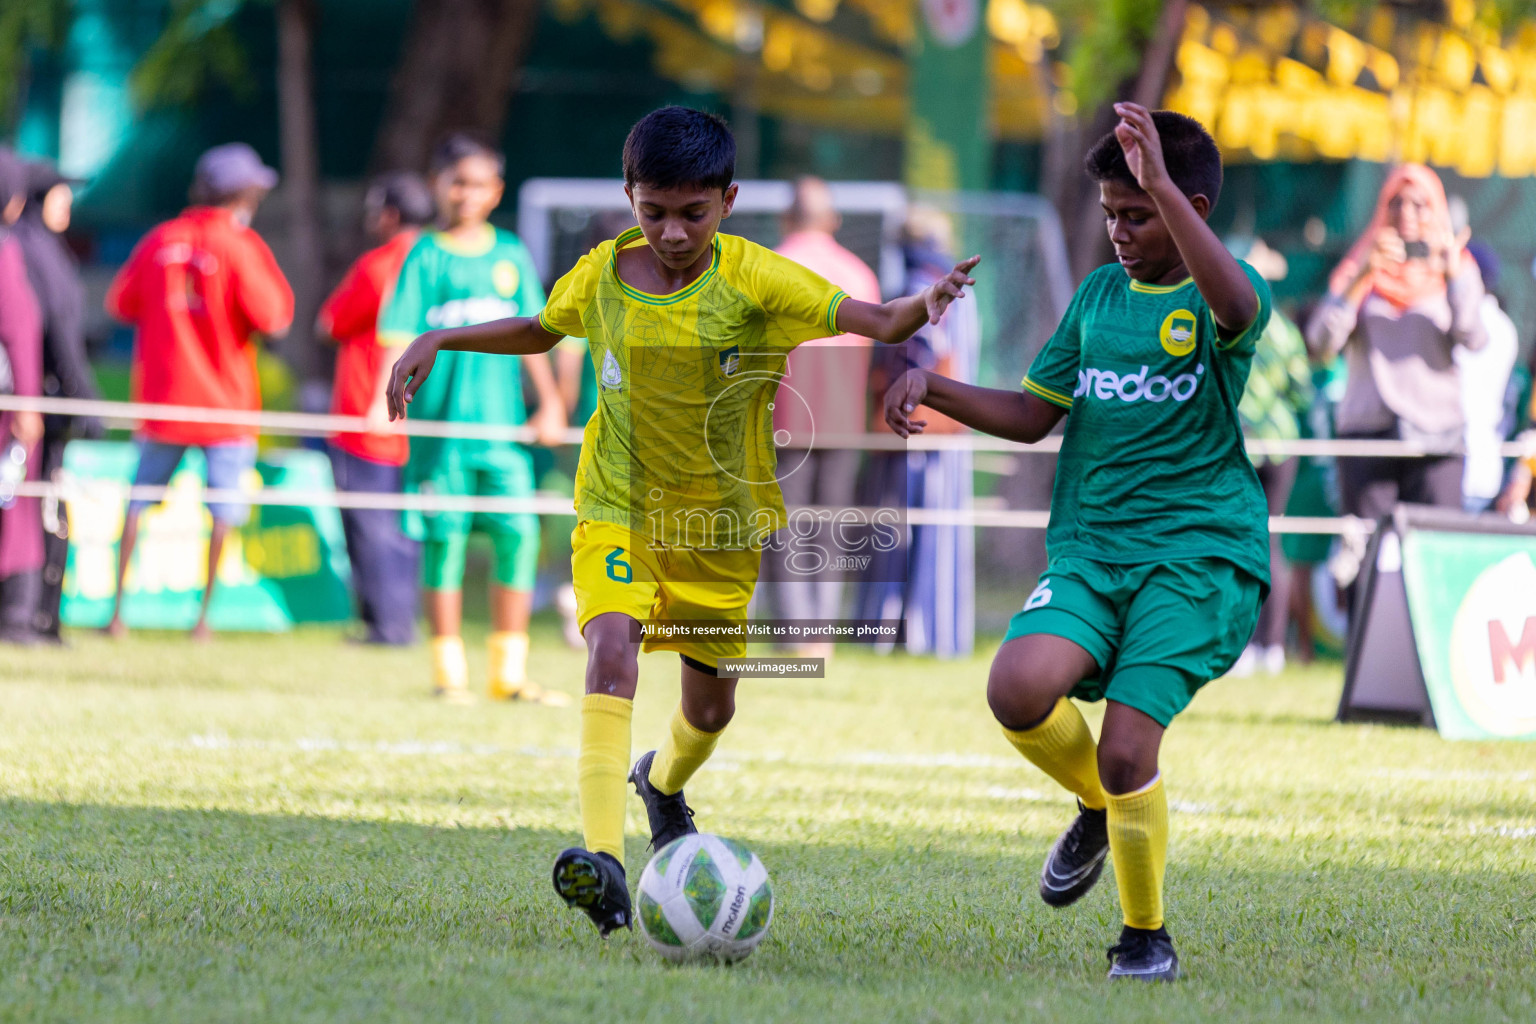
198, 47
287, 828
25, 25
1106, 39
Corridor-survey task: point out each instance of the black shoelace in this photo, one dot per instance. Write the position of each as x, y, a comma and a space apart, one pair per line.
678, 813
1134, 944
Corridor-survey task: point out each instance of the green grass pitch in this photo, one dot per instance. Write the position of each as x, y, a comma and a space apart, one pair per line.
289, 829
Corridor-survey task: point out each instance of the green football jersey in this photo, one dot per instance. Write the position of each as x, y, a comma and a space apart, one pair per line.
1152, 465
445, 283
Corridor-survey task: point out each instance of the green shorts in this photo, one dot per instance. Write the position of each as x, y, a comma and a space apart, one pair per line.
503, 473
1159, 631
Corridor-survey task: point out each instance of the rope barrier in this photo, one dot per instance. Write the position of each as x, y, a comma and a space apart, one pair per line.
299, 424
70, 489
73, 489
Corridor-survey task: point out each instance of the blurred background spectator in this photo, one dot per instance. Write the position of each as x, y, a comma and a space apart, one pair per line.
1404, 296
1518, 496
1487, 401
198, 289
1315, 493
55, 276
469, 272
1277, 398
818, 397
384, 560
935, 590
21, 336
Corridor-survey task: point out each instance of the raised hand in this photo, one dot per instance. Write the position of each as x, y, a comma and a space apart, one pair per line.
902, 398
938, 296
1143, 148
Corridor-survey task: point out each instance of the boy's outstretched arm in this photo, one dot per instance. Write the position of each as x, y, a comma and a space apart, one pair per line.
514, 336
1012, 415
1222, 283
896, 321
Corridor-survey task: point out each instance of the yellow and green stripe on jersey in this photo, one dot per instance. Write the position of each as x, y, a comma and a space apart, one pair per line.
1049, 394
681, 447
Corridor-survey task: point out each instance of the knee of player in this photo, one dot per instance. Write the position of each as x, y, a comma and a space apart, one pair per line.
711, 719
612, 666
1016, 702
711, 716
1125, 767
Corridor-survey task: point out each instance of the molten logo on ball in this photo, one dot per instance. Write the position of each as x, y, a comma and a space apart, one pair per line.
683, 907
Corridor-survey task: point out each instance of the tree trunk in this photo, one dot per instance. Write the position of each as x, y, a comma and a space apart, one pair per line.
301, 178
462, 61
1075, 196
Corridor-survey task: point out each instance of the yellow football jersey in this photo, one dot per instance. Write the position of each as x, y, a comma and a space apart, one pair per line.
681, 448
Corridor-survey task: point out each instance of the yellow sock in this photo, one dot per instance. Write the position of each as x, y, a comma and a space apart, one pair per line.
602, 770
685, 749
1063, 748
450, 665
1138, 846
508, 657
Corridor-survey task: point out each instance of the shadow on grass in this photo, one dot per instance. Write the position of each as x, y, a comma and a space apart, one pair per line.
114, 913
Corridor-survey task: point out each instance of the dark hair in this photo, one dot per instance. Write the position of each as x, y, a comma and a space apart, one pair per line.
1189, 152
459, 145
677, 147
405, 193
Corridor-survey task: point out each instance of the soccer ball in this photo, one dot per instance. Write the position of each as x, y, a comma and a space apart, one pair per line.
704, 897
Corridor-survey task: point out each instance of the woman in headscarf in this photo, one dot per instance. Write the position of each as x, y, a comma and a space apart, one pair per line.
1404, 297
21, 336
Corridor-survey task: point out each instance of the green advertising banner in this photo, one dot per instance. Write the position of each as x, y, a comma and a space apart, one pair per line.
287, 565
1472, 600
949, 142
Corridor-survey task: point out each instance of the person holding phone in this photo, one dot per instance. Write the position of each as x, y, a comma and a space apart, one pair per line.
1403, 298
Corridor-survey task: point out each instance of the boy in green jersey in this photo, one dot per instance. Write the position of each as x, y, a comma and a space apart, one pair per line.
677, 487
470, 272
1158, 541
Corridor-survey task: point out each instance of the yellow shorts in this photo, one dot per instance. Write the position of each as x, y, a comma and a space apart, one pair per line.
615, 570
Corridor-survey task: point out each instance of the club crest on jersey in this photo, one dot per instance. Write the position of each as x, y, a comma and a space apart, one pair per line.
730, 361
611, 377
1178, 333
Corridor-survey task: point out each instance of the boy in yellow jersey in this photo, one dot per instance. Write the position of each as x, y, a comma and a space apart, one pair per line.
676, 490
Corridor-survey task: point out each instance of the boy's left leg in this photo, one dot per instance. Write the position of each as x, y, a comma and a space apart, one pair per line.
1185, 624
1138, 841
714, 586
708, 703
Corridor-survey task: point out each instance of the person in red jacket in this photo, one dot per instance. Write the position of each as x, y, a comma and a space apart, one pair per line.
384, 560
198, 288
